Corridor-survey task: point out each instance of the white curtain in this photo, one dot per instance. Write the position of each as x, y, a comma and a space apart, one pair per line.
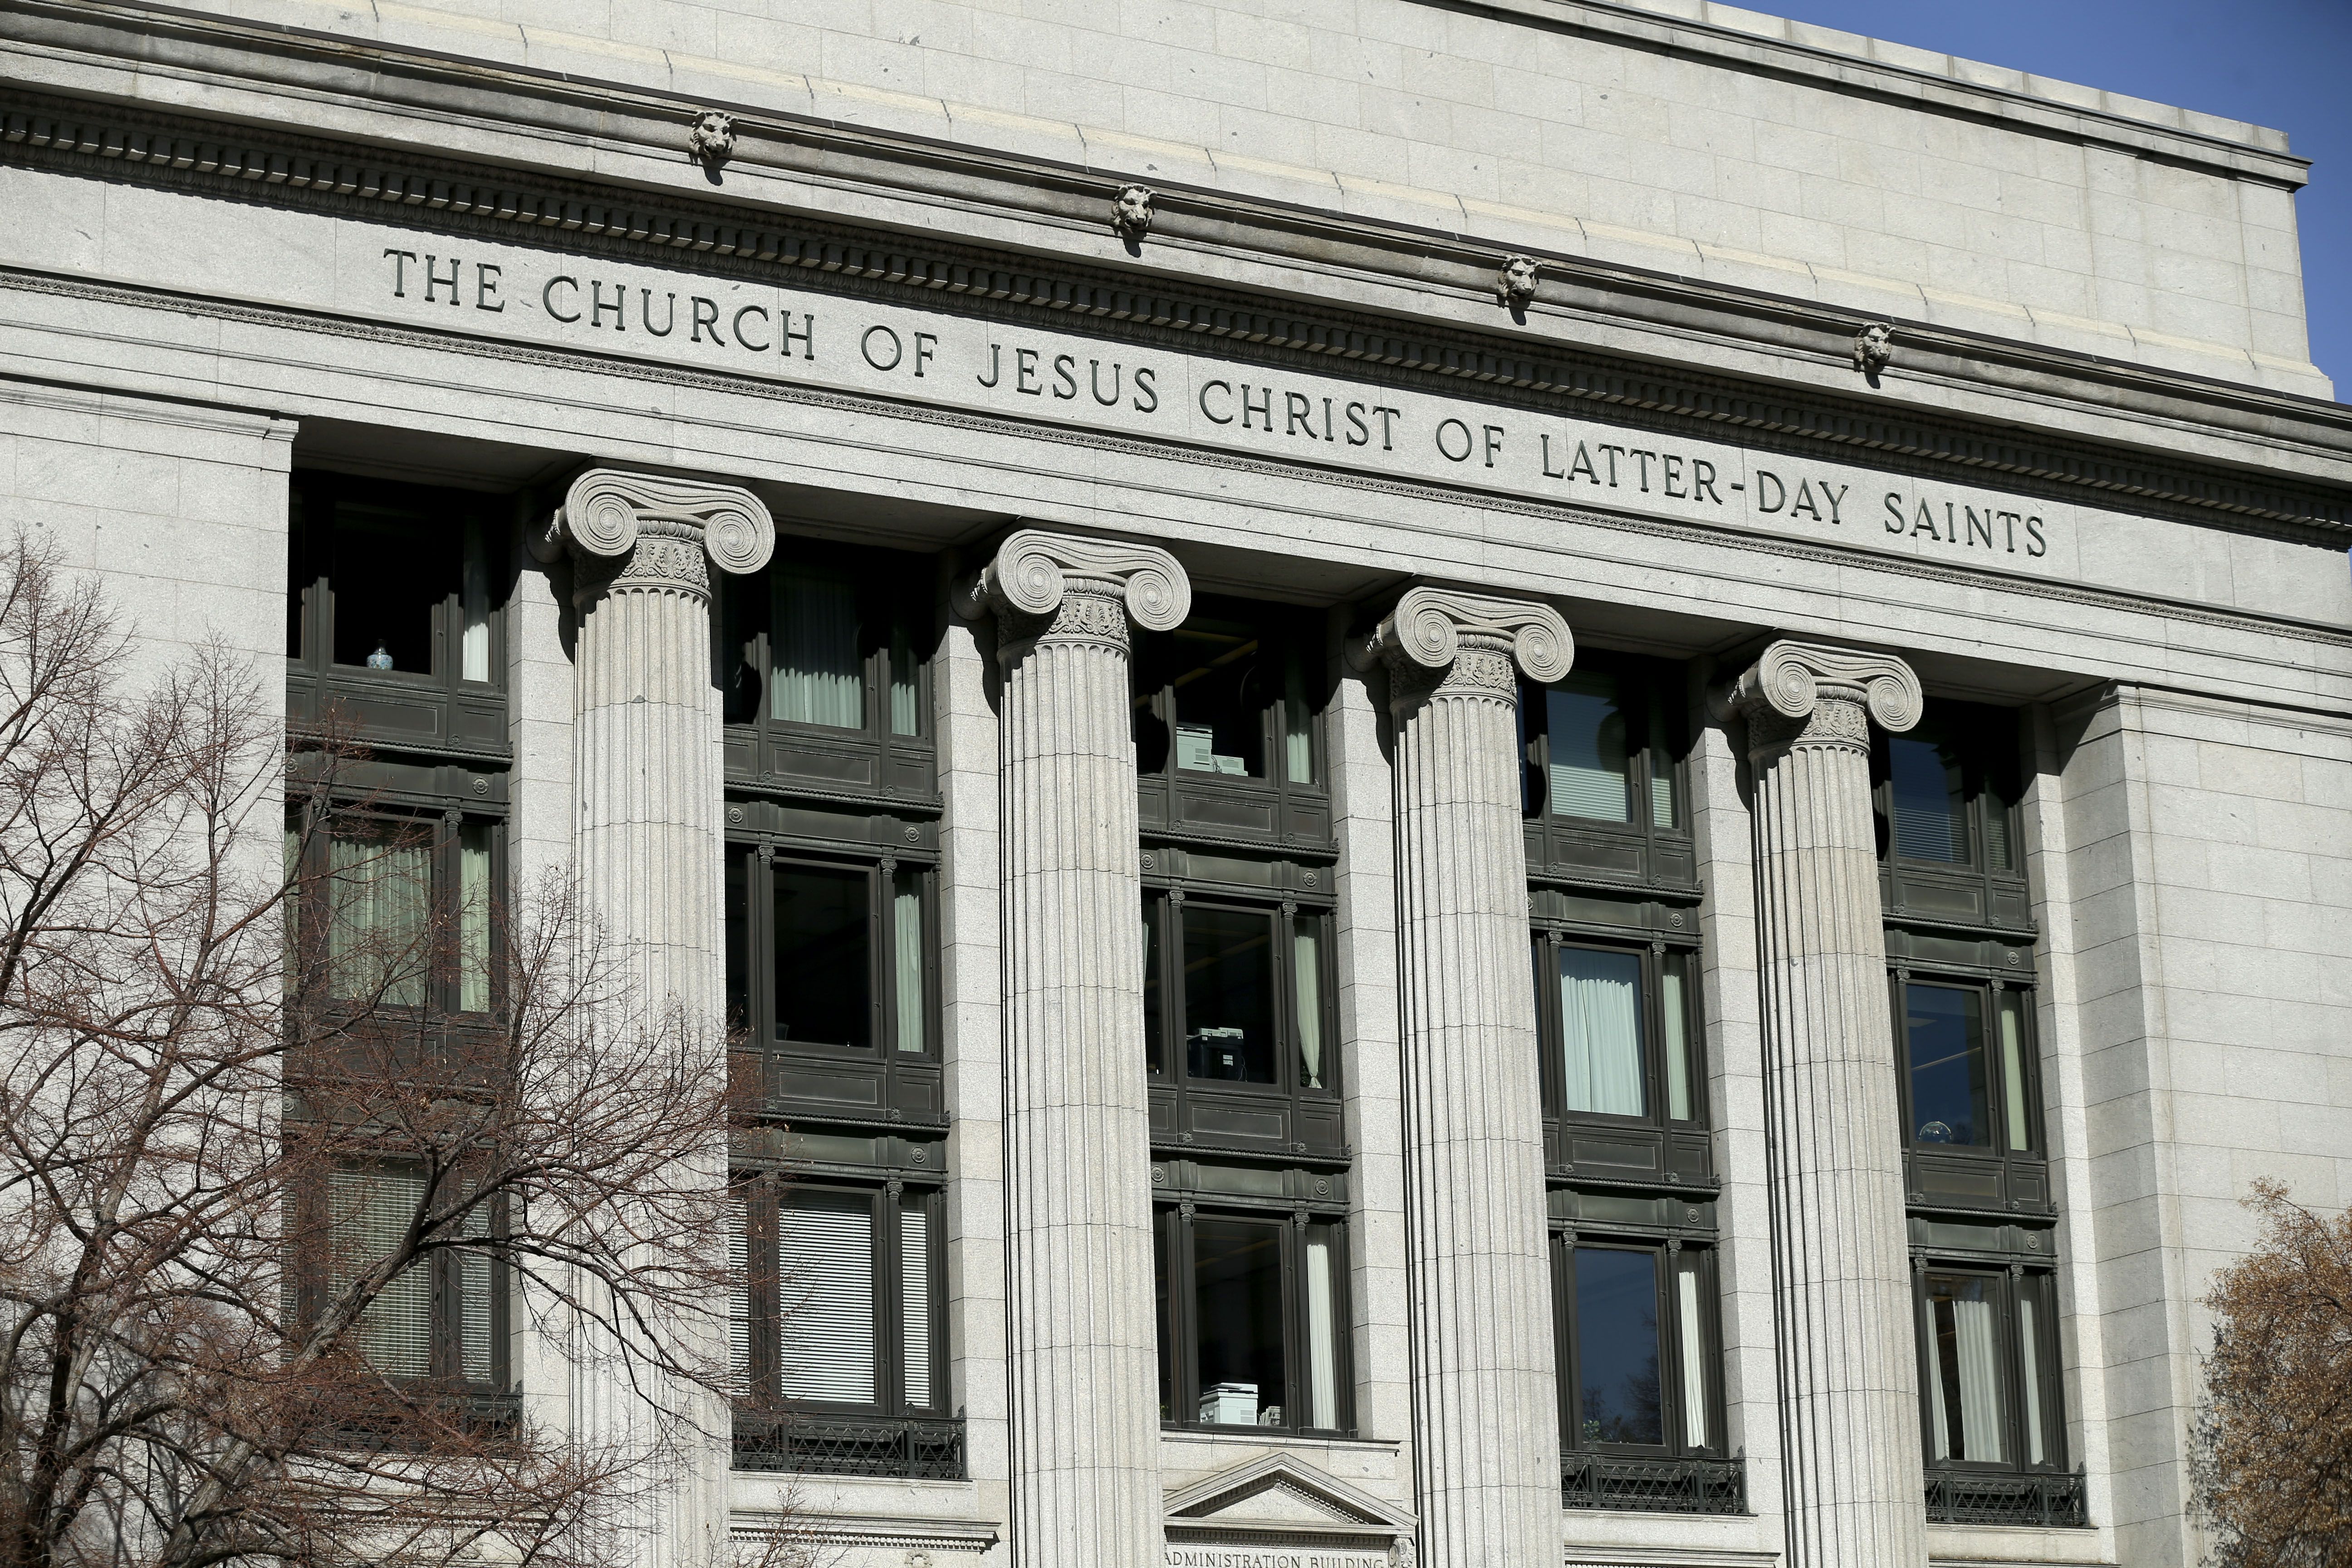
1940, 1436
1695, 1357
474, 600
371, 1212
1306, 966
2029, 1344
1587, 749
904, 720
814, 651
826, 1296
1600, 1030
474, 895
1661, 794
1980, 1414
1671, 1004
1322, 1331
379, 895
915, 1289
1297, 724
907, 958
2012, 1067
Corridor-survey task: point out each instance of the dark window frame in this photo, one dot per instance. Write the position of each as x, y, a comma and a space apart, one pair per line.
2010, 1279
1673, 1418
907, 1084
434, 709
1173, 1241
895, 590
1637, 852
1651, 1150
1987, 741
1186, 803
1992, 1177
441, 824
1313, 1119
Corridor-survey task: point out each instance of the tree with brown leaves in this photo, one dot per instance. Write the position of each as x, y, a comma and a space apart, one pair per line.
295, 1145
2273, 1456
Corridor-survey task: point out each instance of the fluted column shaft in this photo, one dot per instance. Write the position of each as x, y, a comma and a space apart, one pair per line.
1847, 1346
1083, 1346
646, 765
1486, 1417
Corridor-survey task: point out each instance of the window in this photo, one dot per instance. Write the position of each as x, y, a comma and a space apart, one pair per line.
1238, 1030
395, 910
1227, 723
1253, 1320
827, 684
1989, 1391
394, 611
1624, 1085
1638, 1347
829, 969
1946, 793
1603, 788
837, 1329
1969, 1092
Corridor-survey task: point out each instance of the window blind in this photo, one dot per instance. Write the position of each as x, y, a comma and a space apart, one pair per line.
476, 1304
915, 1292
815, 640
1930, 811
739, 1297
1587, 749
1600, 1030
826, 1291
370, 1212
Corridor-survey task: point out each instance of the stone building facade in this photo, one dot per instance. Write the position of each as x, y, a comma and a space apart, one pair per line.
1111, 583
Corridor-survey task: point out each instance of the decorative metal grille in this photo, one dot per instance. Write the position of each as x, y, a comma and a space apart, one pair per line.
1967, 1496
1654, 1486
825, 1446
476, 1416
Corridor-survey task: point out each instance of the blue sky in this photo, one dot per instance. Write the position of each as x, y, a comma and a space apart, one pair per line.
2281, 63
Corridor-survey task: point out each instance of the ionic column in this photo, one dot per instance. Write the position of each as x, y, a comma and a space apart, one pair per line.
1485, 1417
1848, 1351
646, 767
1083, 1350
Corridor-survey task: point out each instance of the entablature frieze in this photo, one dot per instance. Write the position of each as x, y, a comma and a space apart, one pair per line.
819, 257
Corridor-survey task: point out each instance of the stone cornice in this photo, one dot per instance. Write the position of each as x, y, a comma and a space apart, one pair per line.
723, 238
2150, 408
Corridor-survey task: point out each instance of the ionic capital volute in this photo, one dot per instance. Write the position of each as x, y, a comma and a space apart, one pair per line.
1431, 629
1817, 692
1033, 570
607, 512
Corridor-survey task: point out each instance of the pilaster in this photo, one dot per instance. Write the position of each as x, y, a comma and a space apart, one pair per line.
1485, 1423
1847, 1347
1082, 1344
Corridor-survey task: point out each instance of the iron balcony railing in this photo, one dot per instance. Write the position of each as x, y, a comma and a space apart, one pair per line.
1973, 1496
905, 1447
1654, 1486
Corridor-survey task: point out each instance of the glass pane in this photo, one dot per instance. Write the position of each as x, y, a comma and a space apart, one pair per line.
1297, 721
392, 572
1673, 1008
739, 1297
1586, 726
1617, 1346
1151, 1013
2012, 1069
813, 639
371, 1211
2029, 1346
1307, 971
1931, 808
380, 898
1697, 1354
907, 960
1601, 1031
1166, 1336
1945, 1027
915, 1291
290, 910
823, 974
1238, 1297
1997, 848
1662, 766
1322, 1332
1965, 1373
474, 898
1221, 699
906, 718
738, 936
473, 607
826, 1296
1229, 995
475, 1304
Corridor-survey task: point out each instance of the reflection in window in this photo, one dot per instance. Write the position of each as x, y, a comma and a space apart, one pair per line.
1944, 1027
1931, 810
388, 584
1965, 1404
1601, 1031
1618, 1363
813, 641
1237, 1314
1229, 995
823, 966
1220, 700
1152, 1023
1586, 725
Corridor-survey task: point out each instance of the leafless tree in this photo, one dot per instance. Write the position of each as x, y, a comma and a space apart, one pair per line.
241, 1149
2273, 1455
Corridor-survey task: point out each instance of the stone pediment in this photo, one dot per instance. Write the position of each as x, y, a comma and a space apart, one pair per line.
1272, 1509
